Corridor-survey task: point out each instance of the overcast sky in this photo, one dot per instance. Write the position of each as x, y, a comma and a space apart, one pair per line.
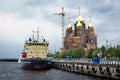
18, 18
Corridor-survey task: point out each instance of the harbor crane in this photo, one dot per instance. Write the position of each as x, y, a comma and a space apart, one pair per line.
62, 15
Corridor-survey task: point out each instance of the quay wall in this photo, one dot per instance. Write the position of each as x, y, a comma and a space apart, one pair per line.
104, 70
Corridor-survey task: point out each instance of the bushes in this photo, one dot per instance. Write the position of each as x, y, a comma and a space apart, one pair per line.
75, 53
80, 53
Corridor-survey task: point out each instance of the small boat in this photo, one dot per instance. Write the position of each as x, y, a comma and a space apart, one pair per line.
34, 55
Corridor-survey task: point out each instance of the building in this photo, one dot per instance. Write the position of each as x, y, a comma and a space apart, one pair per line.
80, 36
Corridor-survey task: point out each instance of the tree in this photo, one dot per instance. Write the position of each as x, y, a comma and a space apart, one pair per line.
90, 52
57, 55
80, 53
117, 52
95, 52
109, 52
103, 49
75, 53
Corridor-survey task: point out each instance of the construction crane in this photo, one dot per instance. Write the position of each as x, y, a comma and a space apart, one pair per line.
107, 45
62, 14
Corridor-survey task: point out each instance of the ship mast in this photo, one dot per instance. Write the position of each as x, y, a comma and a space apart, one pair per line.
62, 14
37, 32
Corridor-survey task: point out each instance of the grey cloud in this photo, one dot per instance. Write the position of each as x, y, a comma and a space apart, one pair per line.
38, 2
23, 8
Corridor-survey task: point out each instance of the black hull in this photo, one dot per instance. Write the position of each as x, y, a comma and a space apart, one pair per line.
36, 64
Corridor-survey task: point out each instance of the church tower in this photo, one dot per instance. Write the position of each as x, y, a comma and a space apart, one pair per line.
69, 29
80, 29
91, 41
68, 37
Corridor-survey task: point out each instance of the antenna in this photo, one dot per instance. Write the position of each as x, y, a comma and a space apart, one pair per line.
62, 14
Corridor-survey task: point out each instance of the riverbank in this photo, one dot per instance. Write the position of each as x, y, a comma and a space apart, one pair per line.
8, 59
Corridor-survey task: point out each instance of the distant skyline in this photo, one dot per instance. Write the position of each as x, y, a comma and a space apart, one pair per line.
18, 18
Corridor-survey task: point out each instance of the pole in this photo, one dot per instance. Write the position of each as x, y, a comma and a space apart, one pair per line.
63, 27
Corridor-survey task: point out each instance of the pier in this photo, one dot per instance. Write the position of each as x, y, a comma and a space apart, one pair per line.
109, 70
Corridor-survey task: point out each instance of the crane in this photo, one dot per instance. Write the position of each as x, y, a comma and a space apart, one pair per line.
62, 15
107, 45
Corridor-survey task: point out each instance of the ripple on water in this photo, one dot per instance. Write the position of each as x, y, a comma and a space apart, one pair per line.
12, 71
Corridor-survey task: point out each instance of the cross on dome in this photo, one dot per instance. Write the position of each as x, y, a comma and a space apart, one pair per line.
90, 24
69, 25
79, 18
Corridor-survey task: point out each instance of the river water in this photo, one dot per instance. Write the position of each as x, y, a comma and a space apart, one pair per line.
12, 71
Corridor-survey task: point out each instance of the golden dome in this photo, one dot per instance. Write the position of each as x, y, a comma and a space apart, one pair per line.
90, 25
79, 19
79, 24
69, 25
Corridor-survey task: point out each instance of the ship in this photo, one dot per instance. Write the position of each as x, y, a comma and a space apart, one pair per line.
34, 54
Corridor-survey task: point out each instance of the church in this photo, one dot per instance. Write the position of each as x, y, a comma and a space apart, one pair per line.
80, 36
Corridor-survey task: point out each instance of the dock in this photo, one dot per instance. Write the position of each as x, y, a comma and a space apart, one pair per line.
104, 70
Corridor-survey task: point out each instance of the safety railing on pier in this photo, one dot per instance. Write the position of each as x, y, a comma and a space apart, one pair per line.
84, 60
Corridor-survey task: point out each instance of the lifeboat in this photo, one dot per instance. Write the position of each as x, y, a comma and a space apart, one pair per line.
24, 54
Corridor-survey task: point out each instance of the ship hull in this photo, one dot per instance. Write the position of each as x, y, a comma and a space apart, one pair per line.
36, 64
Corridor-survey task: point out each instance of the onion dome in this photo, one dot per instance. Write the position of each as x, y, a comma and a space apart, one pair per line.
69, 26
79, 24
90, 24
79, 19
